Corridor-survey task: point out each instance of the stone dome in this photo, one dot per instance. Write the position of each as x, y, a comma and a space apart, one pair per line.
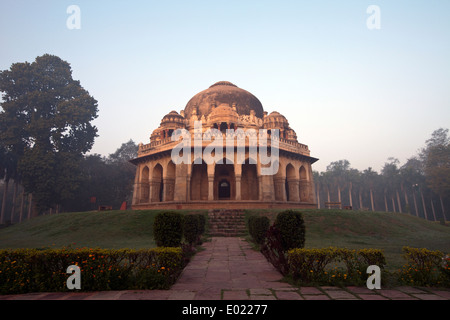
223, 92
275, 120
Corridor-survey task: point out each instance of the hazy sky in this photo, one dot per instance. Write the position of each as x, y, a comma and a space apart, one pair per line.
348, 91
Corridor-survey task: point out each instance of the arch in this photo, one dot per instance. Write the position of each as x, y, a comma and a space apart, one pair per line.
289, 182
199, 181
224, 189
157, 183
279, 183
145, 187
304, 184
224, 171
249, 181
169, 181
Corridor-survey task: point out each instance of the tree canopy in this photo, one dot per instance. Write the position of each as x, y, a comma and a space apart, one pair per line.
45, 127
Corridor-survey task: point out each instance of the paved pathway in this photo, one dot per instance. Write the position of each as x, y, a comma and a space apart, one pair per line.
229, 269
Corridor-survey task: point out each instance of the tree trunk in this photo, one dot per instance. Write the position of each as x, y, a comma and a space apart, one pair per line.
398, 202
371, 199
432, 209
30, 203
385, 201
423, 203
22, 195
393, 204
415, 203
318, 195
442, 206
350, 195
406, 200
13, 209
339, 197
360, 200
5, 191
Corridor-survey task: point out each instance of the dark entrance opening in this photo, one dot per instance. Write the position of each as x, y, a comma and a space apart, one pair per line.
224, 190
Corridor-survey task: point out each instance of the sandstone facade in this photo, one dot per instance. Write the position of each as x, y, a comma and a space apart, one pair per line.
234, 181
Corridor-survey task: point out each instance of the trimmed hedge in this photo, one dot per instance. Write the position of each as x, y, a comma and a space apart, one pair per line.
33, 270
168, 229
425, 268
258, 227
194, 227
292, 229
333, 266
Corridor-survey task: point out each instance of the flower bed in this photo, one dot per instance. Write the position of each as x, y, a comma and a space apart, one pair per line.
33, 270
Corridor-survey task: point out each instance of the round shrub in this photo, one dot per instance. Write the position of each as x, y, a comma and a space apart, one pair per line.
168, 229
258, 227
191, 228
292, 229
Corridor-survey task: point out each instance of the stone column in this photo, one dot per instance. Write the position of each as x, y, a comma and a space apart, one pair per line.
136, 188
169, 188
293, 185
280, 190
211, 169
238, 187
210, 187
237, 176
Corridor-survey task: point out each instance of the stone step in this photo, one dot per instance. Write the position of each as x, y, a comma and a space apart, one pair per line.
226, 223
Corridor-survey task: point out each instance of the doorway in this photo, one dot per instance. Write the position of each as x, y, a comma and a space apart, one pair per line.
224, 190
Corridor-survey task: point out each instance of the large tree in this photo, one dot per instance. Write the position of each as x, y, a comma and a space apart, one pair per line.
46, 125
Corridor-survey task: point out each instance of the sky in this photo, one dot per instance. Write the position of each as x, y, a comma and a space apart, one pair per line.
350, 91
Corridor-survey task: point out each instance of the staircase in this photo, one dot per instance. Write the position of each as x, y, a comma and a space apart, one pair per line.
226, 223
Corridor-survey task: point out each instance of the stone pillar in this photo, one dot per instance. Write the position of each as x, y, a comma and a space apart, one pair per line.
169, 189
280, 188
238, 187
210, 187
304, 190
293, 185
237, 176
211, 169
136, 188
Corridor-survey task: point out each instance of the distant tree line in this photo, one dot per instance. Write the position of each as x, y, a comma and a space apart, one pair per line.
420, 187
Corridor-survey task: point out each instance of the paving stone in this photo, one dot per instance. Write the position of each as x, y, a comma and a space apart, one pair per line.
287, 295
235, 295
441, 293
181, 295
425, 296
310, 290
260, 291
393, 294
316, 297
372, 297
340, 294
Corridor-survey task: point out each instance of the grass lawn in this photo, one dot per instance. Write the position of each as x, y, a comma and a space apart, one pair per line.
106, 229
324, 228
366, 229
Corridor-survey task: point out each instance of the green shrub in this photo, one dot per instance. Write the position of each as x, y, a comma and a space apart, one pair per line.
194, 227
333, 266
201, 222
424, 268
191, 228
258, 227
168, 229
292, 229
31, 270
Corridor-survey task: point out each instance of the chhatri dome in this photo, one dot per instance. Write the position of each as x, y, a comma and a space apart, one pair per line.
160, 183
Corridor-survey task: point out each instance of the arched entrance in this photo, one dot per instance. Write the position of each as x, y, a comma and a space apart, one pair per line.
224, 181
224, 191
158, 185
